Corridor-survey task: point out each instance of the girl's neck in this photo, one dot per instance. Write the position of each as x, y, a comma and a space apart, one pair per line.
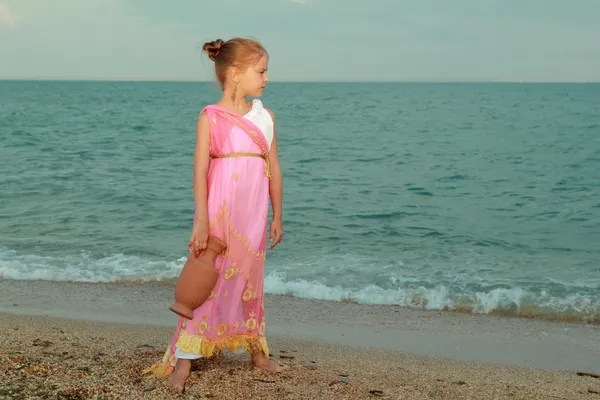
239, 104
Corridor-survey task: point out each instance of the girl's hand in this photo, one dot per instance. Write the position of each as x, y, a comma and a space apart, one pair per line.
199, 239
276, 232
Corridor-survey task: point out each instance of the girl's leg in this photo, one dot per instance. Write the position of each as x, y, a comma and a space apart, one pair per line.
179, 376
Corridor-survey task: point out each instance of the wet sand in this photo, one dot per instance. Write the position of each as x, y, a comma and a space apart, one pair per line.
77, 341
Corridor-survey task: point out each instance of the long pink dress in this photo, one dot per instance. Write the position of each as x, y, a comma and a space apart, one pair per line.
238, 197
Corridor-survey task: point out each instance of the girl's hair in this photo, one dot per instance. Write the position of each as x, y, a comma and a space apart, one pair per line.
236, 52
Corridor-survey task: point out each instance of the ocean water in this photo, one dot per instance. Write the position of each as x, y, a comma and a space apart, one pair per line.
482, 198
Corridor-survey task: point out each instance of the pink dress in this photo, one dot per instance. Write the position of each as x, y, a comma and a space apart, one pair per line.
233, 317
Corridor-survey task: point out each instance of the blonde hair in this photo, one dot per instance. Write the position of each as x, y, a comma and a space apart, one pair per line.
236, 52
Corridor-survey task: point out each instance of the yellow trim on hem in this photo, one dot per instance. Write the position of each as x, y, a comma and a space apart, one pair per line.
200, 345
163, 368
160, 369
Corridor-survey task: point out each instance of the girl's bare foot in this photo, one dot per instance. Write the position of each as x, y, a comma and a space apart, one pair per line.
179, 376
260, 361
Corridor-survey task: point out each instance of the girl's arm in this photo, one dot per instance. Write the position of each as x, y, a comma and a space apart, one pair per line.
276, 184
201, 162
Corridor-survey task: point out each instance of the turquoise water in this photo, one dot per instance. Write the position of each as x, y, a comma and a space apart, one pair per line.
478, 197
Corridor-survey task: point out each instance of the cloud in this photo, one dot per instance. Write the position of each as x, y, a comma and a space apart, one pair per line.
7, 17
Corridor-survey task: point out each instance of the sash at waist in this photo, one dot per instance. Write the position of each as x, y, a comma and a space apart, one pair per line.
231, 155
260, 155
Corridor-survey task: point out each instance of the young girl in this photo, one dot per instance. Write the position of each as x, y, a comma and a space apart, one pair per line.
236, 169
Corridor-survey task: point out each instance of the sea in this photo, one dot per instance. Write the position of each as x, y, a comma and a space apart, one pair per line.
472, 197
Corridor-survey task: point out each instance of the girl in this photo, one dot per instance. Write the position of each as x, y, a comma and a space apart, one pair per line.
236, 170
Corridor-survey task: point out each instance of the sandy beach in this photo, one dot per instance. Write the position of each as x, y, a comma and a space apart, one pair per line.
80, 341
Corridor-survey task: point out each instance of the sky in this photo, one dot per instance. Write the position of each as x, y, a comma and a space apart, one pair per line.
308, 40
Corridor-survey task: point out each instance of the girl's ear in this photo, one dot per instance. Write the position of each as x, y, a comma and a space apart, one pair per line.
234, 75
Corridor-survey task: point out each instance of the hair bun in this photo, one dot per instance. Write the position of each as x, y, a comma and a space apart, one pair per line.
213, 48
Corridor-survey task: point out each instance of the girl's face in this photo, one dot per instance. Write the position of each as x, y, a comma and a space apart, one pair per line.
254, 80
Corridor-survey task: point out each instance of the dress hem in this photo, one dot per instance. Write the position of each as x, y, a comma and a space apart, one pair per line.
204, 347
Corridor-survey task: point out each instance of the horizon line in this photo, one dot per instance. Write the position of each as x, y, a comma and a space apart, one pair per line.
148, 80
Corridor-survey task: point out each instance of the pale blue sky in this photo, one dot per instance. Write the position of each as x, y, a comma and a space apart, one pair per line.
397, 40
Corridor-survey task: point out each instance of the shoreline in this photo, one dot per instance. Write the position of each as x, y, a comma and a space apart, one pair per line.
81, 341
465, 337
528, 312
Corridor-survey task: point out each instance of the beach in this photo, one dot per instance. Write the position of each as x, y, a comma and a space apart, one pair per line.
79, 341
